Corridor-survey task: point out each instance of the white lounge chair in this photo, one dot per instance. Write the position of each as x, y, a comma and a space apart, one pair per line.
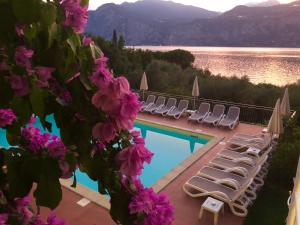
231, 179
235, 198
231, 120
177, 112
201, 113
150, 100
160, 102
215, 116
167, 108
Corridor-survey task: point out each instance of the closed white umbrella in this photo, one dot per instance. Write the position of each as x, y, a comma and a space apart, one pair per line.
144, 84
195, 91
276, 124
285, 104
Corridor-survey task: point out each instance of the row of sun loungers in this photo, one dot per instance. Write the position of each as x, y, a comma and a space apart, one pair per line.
169, 109
203, 115
217, 117
235, 175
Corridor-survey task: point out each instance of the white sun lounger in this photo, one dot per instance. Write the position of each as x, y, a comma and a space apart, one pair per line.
231, 120
215, 116
160, 102
150, 100
167, 108
235, 198
201, 113
177, 112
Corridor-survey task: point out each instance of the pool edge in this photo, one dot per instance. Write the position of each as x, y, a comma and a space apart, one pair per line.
163, 182
87, 193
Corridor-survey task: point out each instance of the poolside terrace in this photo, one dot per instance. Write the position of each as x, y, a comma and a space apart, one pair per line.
186, 208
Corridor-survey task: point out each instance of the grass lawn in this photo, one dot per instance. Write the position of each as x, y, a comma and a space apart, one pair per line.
270, 208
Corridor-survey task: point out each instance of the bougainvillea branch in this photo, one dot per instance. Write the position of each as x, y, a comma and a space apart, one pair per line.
48, 68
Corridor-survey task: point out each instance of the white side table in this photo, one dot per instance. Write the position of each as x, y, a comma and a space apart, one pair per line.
253, 151
214, 206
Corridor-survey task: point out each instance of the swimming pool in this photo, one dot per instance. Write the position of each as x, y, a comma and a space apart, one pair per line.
170, 147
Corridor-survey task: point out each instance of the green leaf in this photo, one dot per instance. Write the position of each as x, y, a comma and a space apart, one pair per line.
23, 111
26, 11
5, 92
30, 32
52, 32
95, 50
48, 192
85, 82
48, 13
101, 188
19, 184
74, 42
7, 23
119, 207
37, 101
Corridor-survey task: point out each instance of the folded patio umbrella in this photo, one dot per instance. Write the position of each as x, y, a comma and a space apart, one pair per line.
195, 91
285, 104
144, 84
275, 124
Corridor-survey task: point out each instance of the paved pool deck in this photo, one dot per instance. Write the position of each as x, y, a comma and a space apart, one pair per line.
186, 208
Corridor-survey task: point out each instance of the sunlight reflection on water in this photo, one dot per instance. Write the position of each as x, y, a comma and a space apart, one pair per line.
279, 66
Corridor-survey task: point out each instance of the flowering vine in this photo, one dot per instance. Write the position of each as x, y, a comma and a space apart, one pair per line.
48, 68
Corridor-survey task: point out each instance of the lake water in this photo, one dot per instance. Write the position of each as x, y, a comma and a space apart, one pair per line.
279, 66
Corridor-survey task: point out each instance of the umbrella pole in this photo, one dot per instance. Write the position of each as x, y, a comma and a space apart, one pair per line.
194, 103
143, 95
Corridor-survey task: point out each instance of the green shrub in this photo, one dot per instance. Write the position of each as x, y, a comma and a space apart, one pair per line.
286, 157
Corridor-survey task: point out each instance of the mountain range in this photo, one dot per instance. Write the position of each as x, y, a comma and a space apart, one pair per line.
263, 4
156, 22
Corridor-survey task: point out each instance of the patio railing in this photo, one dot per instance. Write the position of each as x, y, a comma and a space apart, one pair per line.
249, 113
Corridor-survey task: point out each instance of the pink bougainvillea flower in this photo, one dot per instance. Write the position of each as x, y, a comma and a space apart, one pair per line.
64, 97
104, 102
38, 221
3, 66
65, 170
35, 141
32, 120
3, 218
56, 148
75, 15
132, 159
105, 132
101, 61
136, 135
128, 111
79, 117
44, 74
19, 84
101, 76
7, 117
118, 87
19, 30
23, 57
156, 208
87, 41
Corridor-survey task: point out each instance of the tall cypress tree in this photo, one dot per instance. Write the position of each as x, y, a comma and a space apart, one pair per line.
115, 38
121, 42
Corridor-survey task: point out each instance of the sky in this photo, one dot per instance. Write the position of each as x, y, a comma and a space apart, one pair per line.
215, 5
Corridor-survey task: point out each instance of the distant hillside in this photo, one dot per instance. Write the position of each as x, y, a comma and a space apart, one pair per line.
263, 4
142, 19
276, 26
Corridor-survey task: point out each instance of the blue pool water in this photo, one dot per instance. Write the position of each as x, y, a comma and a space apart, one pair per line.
170, 148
